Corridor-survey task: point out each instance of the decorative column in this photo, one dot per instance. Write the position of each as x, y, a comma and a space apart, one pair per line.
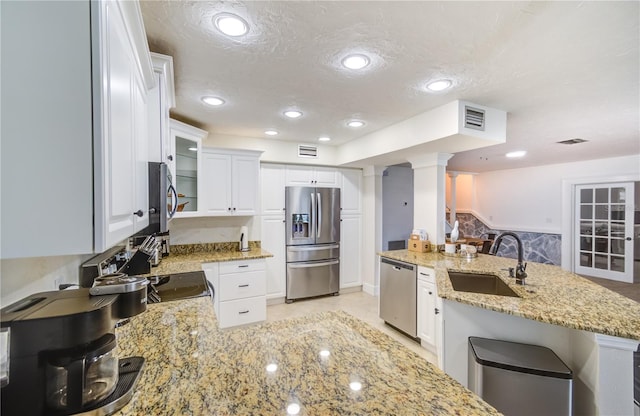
452, 204
429, 194
371, 228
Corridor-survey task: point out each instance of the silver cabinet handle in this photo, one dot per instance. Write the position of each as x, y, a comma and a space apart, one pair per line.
313, 248
242, 312
307, 265
248, 286
244, 265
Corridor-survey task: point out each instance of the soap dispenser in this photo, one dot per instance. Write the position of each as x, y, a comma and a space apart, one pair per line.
454, 233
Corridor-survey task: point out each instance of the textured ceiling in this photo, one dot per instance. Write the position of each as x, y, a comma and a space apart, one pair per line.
560, 69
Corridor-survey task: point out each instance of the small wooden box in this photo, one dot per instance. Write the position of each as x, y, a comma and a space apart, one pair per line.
420, 246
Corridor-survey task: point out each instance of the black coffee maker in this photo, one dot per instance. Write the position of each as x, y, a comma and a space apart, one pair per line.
59, 357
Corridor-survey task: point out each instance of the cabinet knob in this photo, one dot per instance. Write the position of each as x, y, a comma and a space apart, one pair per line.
170, 157
153, 211
437, 311
229, 209
139, 213
234, 208
430, 293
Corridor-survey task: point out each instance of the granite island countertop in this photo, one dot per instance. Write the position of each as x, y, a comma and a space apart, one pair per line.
193, 367
551, 295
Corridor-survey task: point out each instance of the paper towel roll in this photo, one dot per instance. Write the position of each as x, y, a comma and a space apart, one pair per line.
244, 238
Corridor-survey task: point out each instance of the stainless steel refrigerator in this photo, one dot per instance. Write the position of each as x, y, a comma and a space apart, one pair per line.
313, 241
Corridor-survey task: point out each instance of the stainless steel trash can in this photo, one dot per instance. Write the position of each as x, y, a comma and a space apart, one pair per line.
519, 379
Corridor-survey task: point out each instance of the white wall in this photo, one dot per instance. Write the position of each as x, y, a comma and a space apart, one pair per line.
276, 151
465, 190
397, 204
22, 277
530, 199
212, 229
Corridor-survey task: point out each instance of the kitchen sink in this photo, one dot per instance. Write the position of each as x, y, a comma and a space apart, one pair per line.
489, 284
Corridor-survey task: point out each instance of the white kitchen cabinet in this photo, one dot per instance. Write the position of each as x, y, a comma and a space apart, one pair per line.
299, 175
272, 184
429, 307
351, 191
186, 167
76, 188
350, 251
273, 240
230, 181
240, 291
162, 99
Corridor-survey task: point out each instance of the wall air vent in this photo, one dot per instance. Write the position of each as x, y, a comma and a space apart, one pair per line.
473, 118
307, 151
572, 141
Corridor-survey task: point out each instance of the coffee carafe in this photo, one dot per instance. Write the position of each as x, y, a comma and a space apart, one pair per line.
61, 349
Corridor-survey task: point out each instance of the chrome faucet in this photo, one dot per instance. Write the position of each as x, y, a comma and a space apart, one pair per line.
520, 273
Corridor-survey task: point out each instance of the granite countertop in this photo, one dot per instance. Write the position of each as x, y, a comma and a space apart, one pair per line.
551, 295
189, 258
192, 367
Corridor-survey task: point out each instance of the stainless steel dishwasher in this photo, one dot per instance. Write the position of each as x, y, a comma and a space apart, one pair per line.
398, 297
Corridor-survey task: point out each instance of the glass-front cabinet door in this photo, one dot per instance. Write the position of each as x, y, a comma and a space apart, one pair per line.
186, 166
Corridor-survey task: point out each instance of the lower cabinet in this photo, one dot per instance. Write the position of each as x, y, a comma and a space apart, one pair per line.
240, 291
429, 307
350, 250
273, 240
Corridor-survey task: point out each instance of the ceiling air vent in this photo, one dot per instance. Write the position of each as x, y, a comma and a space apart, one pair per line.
307, 151
572, 141
473, 118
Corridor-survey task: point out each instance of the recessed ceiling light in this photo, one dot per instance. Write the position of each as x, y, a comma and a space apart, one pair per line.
271, 132
230, 24
356, 61
439, 85
518, 153
355, 123
214, 101
293, 113
324, 139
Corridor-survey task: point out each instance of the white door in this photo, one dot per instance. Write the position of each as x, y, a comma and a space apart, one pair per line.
426, 313
272, 189
604, 231
350, 250
273, 240
216, 174
245, 176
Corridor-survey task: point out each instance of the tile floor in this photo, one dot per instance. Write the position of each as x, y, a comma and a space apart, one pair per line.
359, 304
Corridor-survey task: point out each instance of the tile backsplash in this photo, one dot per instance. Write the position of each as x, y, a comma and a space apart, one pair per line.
538, 247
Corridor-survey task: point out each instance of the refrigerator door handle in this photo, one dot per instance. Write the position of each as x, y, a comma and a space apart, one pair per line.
319, 209
312, 248
313, 216
307, 265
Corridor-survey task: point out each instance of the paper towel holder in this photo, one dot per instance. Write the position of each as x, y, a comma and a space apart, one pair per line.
244, 239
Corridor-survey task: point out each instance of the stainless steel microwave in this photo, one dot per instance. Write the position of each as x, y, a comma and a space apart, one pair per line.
163, 198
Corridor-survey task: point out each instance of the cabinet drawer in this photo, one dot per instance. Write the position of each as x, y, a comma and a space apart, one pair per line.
427, 274
242, 311
242, 285
241, 266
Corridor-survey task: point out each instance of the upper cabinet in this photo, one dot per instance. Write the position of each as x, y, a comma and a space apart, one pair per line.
186, 167
297, 175
231, 181
351, 195
81, 187
272, 188
162, 99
